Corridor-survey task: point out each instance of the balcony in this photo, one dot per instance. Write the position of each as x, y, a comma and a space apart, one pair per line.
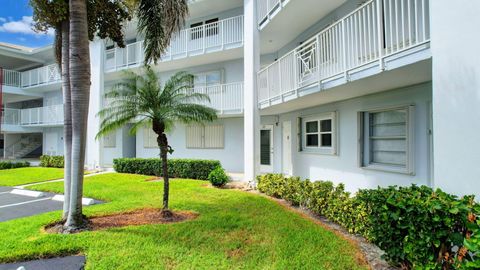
227, 99
267, 9
34, 117
11, 78
213, 37
377, 36
41, 76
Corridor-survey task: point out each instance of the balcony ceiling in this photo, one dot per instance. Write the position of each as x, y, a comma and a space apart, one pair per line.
296, 17
203, 8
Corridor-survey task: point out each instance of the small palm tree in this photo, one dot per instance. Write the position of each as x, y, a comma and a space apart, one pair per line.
143, 101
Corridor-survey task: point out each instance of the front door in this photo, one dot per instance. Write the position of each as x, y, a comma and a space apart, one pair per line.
287, 147
266, 149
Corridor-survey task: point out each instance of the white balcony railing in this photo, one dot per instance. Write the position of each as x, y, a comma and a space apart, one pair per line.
49, 115
41, 76
217, 36
11, 78
377, 29
11, 116
268, 8
225, 98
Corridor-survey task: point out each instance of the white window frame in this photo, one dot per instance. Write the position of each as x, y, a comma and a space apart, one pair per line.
327, 150
364, 141
203, 144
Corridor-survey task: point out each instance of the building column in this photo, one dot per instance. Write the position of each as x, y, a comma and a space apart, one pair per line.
456, 95
251, 112
93, 155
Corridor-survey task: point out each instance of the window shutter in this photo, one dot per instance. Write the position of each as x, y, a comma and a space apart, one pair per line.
194, 136
214, 136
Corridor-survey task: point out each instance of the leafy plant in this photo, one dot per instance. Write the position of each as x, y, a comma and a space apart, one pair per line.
218, 177
52, 161
178, 168
4, 165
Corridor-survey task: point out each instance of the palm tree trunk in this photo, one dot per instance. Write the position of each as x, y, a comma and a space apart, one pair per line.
80, 87
67, 110
162, 141
163, 155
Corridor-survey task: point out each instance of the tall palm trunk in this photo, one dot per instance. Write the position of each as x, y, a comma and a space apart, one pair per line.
80, 87
162, 141
67, 110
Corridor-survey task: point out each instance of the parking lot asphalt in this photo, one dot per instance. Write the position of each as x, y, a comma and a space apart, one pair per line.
14, 206
65, 263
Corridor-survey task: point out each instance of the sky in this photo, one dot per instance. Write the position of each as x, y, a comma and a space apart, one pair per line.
16, 25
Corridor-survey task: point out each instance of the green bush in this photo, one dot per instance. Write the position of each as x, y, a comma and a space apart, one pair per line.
52, 161
417, 227
177, 168
4, 165
218, 177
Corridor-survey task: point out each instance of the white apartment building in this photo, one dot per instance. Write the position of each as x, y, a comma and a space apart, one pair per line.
367, 93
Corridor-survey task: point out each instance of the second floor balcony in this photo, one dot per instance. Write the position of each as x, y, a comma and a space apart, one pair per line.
40, 116
207, 38
366, 42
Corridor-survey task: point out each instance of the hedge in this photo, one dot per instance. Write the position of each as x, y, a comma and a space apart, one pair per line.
177, 168
416, 226
4, 165
52, 161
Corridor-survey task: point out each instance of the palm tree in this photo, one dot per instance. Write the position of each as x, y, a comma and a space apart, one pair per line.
143, 101
80, 95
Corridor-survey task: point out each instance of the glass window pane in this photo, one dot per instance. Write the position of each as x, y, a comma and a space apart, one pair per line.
326, 125
265, 147
312, 126
326, 140
214, 78
312, 140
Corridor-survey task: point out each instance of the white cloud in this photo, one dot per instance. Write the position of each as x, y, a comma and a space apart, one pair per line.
23, 26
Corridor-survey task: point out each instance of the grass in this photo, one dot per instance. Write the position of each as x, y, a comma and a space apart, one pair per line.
235, 230
28, 175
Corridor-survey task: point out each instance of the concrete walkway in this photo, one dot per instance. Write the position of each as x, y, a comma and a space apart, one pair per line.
65, 263
59, 180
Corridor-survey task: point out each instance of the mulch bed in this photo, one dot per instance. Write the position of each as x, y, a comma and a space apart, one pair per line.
145, 216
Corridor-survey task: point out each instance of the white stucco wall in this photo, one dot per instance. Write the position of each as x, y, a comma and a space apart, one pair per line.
344, 167
230, 156
456, 95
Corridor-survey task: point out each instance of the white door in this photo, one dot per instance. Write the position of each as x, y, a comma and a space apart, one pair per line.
266, 149
287, 147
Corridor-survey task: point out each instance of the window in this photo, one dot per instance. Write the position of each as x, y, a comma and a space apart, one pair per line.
208, 78
110, 140
196, 30
319, 134
210, 29
149, 138
387, 138
205, 137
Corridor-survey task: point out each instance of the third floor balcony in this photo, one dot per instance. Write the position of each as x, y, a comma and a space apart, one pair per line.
208, 38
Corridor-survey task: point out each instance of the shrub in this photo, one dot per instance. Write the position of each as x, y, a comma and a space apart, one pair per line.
178, 168
52, 161
4, 165
417, 227
218, 177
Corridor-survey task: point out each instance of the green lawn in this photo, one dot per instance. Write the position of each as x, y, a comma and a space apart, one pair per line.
22, 176
235, 230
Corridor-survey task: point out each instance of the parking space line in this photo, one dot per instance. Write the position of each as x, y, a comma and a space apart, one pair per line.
27, 202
